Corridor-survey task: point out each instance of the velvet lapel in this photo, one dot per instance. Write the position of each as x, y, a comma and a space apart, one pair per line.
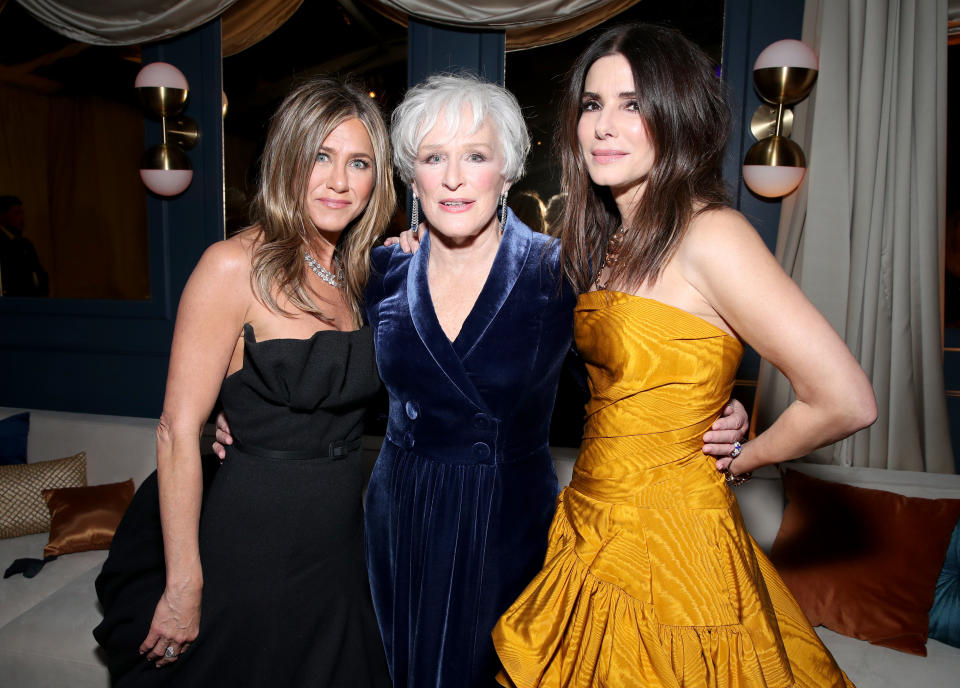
428, 327
507, 264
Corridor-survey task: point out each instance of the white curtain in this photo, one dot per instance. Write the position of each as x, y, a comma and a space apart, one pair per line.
864, 235
123, 22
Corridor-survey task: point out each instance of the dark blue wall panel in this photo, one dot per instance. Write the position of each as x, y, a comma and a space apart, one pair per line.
749, 27
111, 356
432, 48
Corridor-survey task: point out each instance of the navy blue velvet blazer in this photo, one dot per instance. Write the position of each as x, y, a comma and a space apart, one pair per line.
462, 495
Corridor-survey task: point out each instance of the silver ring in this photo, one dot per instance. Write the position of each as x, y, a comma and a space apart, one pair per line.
169, 653
737, 448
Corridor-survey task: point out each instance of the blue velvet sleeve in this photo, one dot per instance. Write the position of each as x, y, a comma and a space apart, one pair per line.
380, 259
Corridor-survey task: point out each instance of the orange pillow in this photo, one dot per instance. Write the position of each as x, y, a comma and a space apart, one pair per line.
863, 562
85, 518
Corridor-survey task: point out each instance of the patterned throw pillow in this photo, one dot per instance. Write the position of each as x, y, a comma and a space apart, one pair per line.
23, 510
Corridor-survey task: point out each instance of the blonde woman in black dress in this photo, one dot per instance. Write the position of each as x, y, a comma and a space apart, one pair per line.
269, 587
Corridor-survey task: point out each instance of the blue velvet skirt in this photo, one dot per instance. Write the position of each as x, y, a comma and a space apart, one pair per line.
450, 545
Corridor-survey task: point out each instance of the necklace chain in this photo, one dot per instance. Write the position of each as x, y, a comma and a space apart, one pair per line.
334, 280
611, 255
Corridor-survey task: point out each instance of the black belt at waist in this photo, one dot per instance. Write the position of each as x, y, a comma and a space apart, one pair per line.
336, 450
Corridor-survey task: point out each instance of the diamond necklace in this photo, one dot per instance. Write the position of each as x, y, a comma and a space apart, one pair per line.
323, 273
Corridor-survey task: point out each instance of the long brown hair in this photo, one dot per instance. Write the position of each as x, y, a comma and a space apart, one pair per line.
303, 121
683, 106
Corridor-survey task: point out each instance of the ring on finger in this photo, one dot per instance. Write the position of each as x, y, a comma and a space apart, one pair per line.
737, 448
170, 652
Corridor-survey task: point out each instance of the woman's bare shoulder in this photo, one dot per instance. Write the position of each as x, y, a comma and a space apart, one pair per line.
717, 235
716, 222
230, 258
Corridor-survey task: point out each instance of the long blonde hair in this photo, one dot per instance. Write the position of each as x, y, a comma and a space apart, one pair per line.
299, 127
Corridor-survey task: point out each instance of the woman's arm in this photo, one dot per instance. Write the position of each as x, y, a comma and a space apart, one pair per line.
209, 319
763, 305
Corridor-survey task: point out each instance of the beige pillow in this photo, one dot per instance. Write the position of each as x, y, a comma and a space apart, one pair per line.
23, 511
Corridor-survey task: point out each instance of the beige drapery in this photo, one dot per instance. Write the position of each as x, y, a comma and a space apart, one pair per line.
863, 236
123, 22
250, 21
527, 25
112, 22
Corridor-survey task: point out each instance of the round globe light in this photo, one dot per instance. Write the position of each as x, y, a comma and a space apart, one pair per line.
166, 170
770, 181
162, 74
166, 182
787, 53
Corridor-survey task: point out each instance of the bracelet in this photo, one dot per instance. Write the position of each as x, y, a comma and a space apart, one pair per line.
736, 479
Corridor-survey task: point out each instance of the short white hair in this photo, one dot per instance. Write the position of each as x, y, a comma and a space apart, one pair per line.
448, 93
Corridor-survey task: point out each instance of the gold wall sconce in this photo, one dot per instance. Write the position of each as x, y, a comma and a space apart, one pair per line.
783, 75
165, 168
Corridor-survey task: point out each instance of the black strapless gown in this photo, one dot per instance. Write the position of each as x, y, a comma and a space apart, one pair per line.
286, 599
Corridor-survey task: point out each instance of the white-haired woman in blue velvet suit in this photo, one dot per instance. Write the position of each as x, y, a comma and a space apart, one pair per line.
471, 334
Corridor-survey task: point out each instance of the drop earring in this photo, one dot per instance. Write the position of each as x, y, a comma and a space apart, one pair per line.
503, 210
415, 214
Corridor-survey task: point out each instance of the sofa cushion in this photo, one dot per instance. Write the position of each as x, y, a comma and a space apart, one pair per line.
872, 666
118, 447
85, 518
841, 550
22, 509
13, 439
51, 644
945, 613
761, 504
19, 594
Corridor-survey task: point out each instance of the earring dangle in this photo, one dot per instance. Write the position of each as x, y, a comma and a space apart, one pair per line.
415, 215
503, 210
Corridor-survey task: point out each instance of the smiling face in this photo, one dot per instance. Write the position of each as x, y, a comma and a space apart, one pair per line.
613, 137
458, 177
342, 178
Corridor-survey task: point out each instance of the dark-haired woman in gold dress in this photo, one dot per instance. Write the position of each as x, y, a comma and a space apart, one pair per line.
651, 578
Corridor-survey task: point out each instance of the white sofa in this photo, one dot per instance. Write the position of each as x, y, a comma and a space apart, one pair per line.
46, 621
868, 666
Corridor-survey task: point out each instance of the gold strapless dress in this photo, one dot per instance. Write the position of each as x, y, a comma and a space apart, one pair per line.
651, 579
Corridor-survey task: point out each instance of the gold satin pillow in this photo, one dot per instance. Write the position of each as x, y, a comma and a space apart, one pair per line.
22, 509
85, 518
